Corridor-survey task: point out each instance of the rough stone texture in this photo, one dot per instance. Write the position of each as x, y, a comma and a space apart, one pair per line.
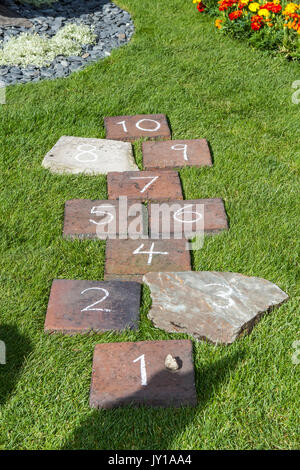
217, 306
144, 185
117, 377
83, 306
124, 277
112, 26
137, 127
10, 18
103, 219
208, 215
89, 156
184, 153
120, 257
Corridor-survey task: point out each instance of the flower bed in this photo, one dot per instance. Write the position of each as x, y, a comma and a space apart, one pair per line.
267, 25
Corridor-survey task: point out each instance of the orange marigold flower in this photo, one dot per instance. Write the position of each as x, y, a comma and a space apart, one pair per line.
234, 15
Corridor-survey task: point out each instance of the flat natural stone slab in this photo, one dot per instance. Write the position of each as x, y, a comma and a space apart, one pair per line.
11, 18
131, 128
84, 306
136, 257
176, 154
144, 185
136, 374
187, 218
217, 306
90, 156
102, 219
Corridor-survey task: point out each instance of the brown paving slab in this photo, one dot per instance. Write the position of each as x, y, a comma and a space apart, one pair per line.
185, 218
142, 256
102, 219
83, 306
124, 277
144, 185
135, 374
176, 154
131, 128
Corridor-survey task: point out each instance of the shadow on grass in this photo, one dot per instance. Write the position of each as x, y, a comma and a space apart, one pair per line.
150, 428
14, 348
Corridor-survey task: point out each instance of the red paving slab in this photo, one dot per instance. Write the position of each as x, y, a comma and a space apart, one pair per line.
82, 306
185, 218
102, 219
135, 374
144, 185
131, 128
128, 257
176, 154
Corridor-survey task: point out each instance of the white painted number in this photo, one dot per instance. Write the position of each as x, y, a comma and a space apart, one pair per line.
90, 307
143, 369
151, 252
183, 211
124, 125
98, 210
138, 125
89, 152
152, 178
182, 147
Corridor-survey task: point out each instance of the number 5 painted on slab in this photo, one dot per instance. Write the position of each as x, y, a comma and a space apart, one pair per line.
143, 369
152, 178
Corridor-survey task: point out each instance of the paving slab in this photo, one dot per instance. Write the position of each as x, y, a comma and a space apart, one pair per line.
144, 185
89, 156
183, 219
136, 374
84, 306
131, 128
128, 257
176, 154
216, 306
102, 219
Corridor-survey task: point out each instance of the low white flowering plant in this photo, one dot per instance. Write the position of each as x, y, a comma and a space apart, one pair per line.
33, 49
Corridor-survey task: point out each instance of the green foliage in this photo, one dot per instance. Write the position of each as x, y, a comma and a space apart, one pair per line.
210, 86
26, 48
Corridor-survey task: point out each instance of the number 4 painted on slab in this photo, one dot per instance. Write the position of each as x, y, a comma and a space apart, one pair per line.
151, 252
152, 178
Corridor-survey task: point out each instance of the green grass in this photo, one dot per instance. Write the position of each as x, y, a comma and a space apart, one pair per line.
209, 86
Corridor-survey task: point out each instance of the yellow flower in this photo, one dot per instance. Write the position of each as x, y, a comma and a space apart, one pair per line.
264, 12
290, 8
196, 1
254, 6
218, 24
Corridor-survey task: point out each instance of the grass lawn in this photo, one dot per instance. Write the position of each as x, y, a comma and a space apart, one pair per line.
209, 86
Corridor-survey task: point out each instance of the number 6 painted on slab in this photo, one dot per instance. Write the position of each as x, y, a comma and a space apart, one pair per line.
143, 369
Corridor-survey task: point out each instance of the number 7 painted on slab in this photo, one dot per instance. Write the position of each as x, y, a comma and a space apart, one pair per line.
152, 178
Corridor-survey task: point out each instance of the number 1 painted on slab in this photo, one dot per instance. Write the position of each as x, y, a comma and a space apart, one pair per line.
143, 369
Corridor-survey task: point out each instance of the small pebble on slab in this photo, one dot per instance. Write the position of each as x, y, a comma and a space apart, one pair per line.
84, 306
216, 306
144, 185
89, 156
186, 218
176, 154
131, 128
103, 219
137, 257
136, 374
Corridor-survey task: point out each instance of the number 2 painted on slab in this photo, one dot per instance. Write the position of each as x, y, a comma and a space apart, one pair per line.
143, 369
90, 307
